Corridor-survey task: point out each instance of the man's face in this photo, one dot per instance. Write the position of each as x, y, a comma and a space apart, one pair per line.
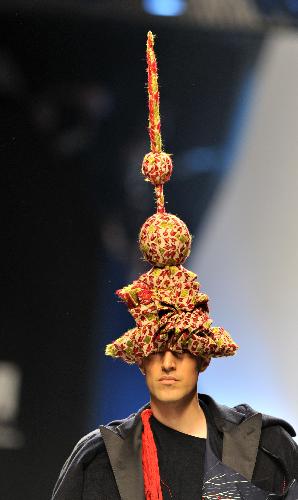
171, 376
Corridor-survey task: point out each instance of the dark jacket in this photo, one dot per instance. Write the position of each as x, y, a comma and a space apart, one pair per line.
106, 464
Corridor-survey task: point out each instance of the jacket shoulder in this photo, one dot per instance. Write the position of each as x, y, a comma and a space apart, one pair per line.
90, 449
70, 480
86, 447
268, 421
277, 456
241, 412
92, 444
276, 441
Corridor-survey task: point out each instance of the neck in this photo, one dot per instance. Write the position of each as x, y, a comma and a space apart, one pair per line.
184, 415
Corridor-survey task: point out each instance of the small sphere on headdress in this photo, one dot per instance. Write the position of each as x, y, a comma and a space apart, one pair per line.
164, 240
157, 167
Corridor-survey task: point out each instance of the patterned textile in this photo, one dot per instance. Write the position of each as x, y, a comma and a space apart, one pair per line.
166, 303
170, 313
157, 167
222, 482
164, 240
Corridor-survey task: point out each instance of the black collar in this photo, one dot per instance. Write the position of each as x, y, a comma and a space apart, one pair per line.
123, 443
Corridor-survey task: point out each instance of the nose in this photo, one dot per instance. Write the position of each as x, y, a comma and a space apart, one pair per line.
168, 362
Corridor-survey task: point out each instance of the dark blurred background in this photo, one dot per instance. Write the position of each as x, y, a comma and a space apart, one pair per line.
73, 135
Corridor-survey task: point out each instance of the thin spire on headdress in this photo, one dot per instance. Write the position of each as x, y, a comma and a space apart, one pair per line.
166, 302
157, 165
153, 97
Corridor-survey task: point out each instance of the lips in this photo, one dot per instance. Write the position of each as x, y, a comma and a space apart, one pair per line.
167, 380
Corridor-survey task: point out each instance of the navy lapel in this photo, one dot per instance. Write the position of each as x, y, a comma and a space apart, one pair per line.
240, 445
241, 436
124, 452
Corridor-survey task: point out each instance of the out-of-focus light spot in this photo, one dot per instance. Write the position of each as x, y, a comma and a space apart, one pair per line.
10, 386
292, 6
269, 7
164, 7
278, 7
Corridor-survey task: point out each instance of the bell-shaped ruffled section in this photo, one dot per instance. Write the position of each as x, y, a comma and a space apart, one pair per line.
170, 313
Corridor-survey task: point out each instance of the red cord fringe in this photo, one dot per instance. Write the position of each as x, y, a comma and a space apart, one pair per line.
150, 460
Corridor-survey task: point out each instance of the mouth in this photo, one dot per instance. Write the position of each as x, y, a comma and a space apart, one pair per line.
167, 380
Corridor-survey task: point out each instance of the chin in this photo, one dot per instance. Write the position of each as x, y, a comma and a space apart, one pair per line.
171, 395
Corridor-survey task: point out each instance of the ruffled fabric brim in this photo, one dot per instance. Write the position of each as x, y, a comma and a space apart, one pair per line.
170, 313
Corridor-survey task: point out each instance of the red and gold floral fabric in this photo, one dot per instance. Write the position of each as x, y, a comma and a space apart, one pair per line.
170, 313
164, 240
166, 303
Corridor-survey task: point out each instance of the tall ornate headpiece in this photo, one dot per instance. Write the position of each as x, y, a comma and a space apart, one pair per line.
166, 303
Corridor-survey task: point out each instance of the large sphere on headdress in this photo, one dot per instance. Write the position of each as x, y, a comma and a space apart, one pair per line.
165, 240
157, 167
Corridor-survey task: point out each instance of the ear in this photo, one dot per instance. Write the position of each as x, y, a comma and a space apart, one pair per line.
204, 364
141, 366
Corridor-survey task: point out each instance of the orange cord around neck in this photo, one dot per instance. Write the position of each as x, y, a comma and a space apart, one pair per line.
150, 460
